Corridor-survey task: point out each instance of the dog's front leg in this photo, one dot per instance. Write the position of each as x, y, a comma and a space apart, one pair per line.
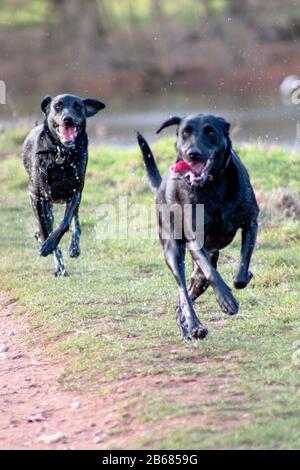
60, 270
188, 322
54, 238
223, 293
74, 249
37, 204
244, 276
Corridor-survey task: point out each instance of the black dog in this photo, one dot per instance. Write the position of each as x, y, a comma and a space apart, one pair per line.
55, 155
207, 172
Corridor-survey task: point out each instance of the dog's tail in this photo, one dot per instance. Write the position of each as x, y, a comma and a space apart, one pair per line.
150, 164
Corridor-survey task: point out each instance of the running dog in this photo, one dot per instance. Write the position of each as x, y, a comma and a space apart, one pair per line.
210, 173
55, 156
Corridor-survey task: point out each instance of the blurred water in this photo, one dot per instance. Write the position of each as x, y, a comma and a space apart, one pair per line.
254, 118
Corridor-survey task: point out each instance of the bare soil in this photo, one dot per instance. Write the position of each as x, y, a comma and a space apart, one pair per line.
36, 412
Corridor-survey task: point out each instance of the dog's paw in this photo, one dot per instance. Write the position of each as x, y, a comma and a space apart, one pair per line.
242, 282
74, 251
190, 332
37, 236
48, 246
61, 273
199, 331
227, 301
195, 333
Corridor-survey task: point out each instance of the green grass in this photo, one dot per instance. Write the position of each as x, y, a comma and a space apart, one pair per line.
112, 321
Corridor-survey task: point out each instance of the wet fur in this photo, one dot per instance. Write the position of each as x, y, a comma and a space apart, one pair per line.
57, 172
229, 205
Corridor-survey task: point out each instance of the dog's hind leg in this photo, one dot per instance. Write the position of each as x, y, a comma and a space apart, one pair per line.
60, 270
244, 276
199, 283
187, 320
74, 249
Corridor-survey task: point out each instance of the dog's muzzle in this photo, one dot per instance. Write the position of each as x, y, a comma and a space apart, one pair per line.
67, 134
195, 174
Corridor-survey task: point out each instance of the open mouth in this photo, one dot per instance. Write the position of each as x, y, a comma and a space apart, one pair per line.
196, 173
197, 168
66, 134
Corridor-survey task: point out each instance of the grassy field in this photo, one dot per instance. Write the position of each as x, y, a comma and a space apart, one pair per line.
112, 321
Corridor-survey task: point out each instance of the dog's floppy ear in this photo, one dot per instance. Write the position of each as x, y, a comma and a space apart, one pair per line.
225, 124
226, 127
45, 103
173, 121
92, 106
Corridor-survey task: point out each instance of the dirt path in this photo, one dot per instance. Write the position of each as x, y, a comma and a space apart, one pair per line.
35, 412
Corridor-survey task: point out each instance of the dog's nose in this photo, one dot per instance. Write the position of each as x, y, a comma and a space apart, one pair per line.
68, 121
194, 154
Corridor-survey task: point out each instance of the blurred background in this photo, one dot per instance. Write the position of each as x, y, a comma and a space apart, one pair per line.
147, 59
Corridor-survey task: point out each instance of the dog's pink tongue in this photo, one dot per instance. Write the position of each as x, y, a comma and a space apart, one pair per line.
197, 167
184, 167
68, 133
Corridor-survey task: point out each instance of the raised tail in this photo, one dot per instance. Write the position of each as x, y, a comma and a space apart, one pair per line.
150, 164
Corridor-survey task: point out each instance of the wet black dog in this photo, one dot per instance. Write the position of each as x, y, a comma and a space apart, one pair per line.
207, 172
55, 155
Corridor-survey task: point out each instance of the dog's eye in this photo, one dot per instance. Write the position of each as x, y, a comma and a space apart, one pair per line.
209, 131
186, 133
77, 106
58, 106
